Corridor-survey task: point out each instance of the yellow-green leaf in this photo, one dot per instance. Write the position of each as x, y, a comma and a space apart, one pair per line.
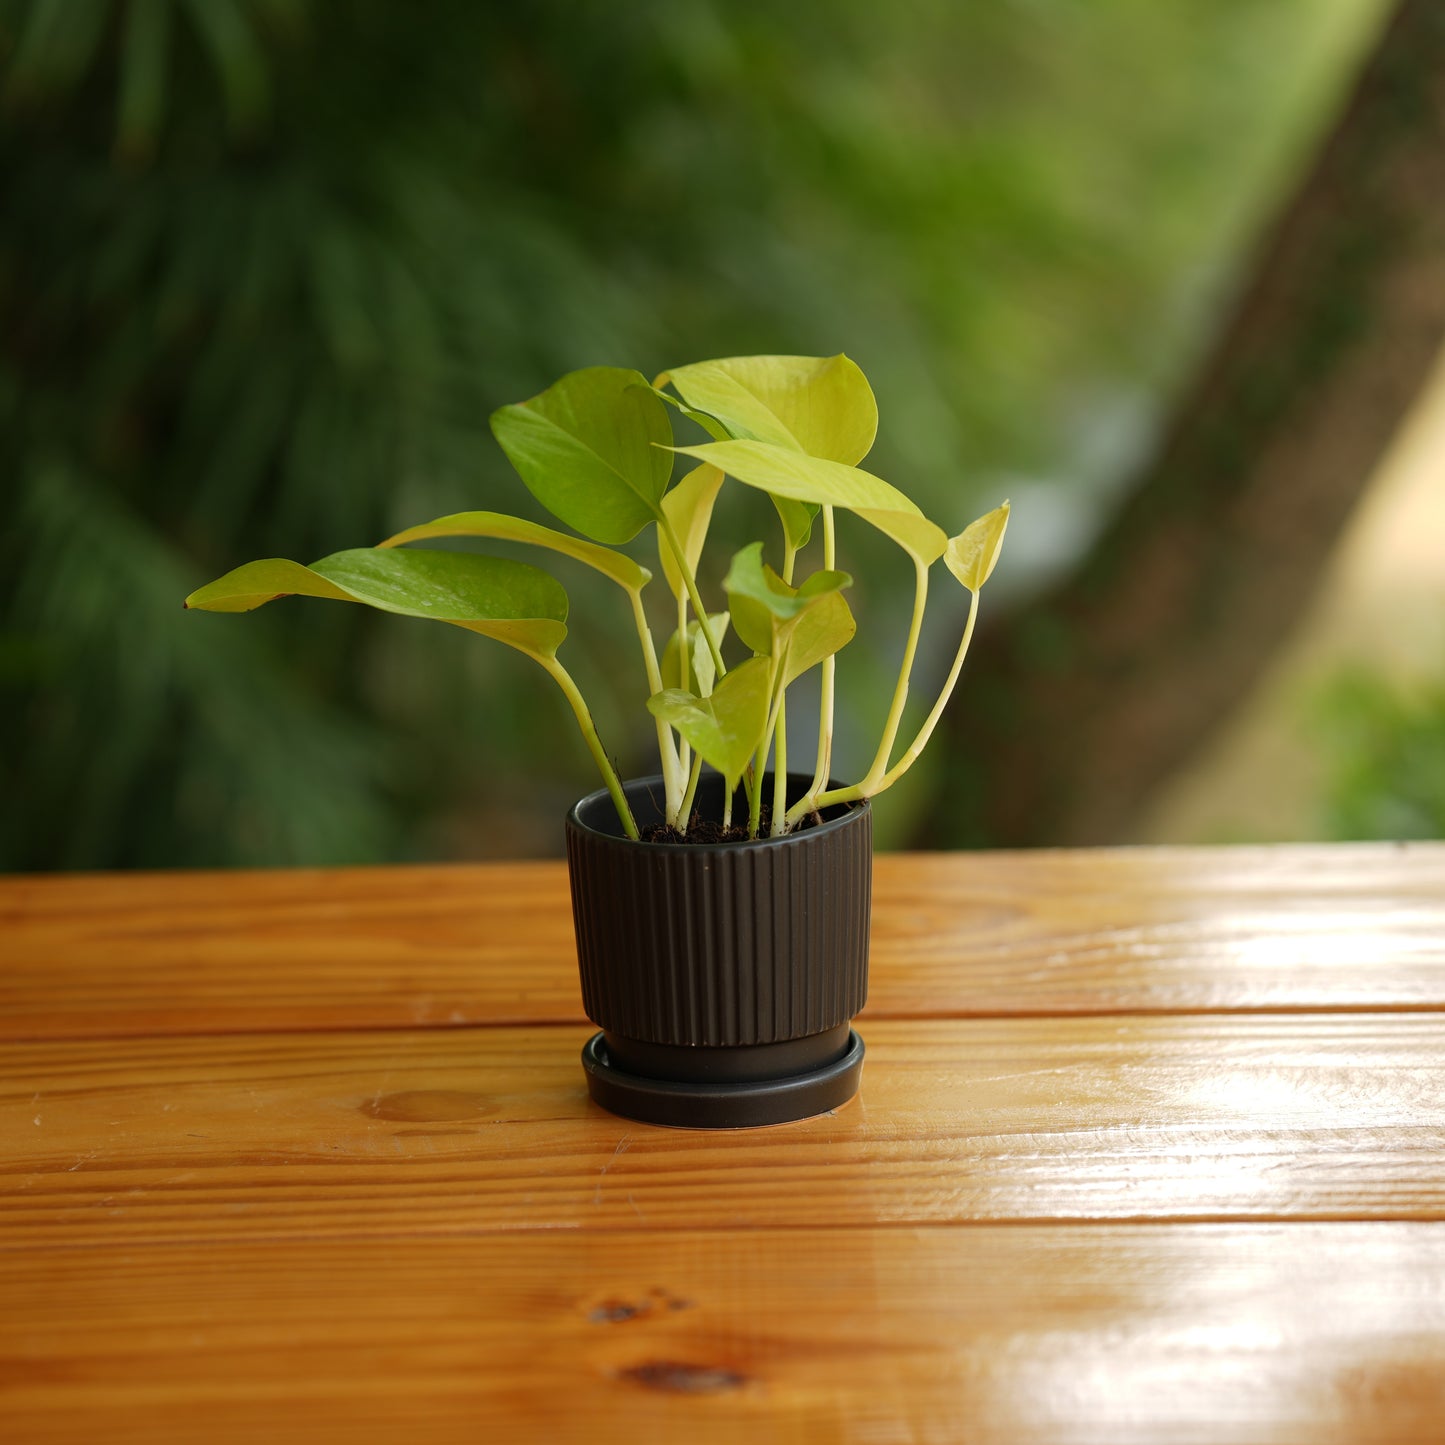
820, 406
787, 473
689, 508
246, 588
620, 568
766, 610
972, 554
592, 449
819, 632
509, 601
797, 519
726, 728
701, 671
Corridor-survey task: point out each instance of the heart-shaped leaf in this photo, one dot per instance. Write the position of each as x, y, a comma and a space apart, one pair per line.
765, 609
786, 473
510, 601
797, 519
592, 449
689, 508
701, 671
972, 554
710, 424
820, 406
620, 568
818, 633
725, 729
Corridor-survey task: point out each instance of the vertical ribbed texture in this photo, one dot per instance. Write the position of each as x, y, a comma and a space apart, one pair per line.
737, 943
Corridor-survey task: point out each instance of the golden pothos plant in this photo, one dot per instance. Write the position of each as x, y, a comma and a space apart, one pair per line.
597, 451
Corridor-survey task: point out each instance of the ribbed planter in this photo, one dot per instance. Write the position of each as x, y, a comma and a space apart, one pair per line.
724, 977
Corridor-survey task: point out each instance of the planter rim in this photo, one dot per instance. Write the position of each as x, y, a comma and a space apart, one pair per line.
574, 820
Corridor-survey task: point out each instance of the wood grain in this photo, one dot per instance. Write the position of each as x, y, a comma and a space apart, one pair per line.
1171, 930
1208, 1333
461, 1132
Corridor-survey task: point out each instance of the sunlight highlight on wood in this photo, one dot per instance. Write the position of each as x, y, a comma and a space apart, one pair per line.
1107, 930
1325, 1333
1148, 1148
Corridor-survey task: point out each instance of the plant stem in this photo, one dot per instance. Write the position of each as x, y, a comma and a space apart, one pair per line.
780, 771
755, 788
825, 693
879, 767
856, 792
684, 748
691, 793
672, 767
926, 731
690, 582
563, 679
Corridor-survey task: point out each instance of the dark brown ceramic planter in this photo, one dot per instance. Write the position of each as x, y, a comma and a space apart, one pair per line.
724, 977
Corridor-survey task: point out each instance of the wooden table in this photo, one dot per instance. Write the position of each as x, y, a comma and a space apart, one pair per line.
1151, 1146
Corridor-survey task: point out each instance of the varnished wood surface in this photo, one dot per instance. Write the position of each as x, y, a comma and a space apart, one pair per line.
1318, 1334
451, 1132
1100, 931
1151, 1146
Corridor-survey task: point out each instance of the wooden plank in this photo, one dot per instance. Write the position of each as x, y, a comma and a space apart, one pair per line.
116, 954
459, 1132
957, 935
1217, 1334
1160, 930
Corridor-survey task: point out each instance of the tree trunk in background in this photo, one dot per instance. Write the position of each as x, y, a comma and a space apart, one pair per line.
1082, 704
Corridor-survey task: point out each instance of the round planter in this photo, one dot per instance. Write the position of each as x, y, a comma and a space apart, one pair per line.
723, 977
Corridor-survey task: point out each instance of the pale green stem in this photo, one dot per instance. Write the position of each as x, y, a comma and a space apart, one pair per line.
916, 747
877, 777
760, 761
729, 789
672, 767
853, 793
879, 767
691, 793
755, 789
684, 747
563, 679
775, 728
780, 737
825, 695
926, 731
780, 772
690, 582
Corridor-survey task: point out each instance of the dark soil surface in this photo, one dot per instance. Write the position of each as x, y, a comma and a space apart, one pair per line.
709, 830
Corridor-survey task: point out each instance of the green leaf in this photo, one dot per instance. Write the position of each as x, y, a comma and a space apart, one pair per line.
710, 424
510, 601
810, 479
621, 569
689, 508
593, 449
250, 586
797, 520
820, 406
726, 728
750, 589
972, 554
750, 577
701, 671
821, 631
765, 609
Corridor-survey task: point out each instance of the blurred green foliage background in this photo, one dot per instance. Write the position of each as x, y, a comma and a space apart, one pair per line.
266, 266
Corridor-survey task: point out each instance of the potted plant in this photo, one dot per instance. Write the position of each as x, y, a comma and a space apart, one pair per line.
721, 914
